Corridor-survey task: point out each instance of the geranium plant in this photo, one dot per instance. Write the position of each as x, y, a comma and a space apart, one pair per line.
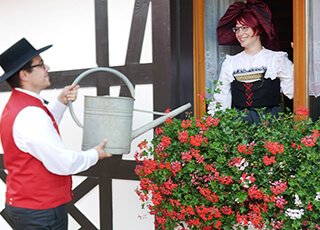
217, 172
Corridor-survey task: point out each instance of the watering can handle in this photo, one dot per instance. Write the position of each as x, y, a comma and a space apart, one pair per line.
89, 71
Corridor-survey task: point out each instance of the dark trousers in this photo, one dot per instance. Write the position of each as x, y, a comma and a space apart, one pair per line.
35, 219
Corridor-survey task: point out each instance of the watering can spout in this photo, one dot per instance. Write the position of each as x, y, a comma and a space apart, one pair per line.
158, 121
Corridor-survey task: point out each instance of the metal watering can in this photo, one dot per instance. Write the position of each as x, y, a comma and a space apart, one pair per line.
111, 118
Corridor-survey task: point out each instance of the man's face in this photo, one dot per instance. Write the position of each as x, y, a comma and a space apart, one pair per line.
38, 78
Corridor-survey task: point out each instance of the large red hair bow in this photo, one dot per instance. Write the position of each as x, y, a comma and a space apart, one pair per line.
263, 14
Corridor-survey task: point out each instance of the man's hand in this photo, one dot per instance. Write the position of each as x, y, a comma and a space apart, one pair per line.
69, 93
101, 152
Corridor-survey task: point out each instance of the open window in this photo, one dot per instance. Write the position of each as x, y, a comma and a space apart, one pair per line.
290, 18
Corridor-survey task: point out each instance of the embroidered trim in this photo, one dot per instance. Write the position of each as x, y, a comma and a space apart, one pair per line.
254, 74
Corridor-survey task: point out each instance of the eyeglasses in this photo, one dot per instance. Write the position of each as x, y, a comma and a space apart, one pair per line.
244, 28
34, 66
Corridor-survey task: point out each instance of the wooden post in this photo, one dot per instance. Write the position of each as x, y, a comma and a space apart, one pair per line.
199, 57
301, 89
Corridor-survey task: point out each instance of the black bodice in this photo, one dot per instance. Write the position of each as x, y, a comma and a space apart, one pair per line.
261, 93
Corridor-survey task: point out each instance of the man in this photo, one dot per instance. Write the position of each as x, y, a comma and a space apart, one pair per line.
39, 165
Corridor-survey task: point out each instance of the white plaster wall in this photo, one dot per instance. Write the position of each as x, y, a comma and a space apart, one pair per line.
120, 13
69, 26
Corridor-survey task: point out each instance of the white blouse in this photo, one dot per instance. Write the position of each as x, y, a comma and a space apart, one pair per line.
276, 62
34, 133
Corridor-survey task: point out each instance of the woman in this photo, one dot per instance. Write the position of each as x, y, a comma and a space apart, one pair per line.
256, 77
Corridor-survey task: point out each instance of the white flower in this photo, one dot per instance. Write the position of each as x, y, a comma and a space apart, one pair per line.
243, 164
297, 200
281, 165
294, 213
245, 184
318, 196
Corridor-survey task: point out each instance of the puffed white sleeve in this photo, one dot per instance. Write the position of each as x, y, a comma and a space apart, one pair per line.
223, 96
283, 69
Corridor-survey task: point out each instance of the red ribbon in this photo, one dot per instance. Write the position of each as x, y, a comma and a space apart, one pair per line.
263, 14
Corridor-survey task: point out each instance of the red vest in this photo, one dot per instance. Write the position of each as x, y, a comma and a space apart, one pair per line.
29, 183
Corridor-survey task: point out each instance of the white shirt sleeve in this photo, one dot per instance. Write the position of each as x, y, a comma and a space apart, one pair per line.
224, 97
34, 133
283, 69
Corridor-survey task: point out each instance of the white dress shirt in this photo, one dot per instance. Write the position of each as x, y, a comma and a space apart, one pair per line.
276, 62
34, 133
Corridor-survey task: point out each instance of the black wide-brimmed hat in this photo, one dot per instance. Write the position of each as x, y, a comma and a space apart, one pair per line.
263, 14
14, 58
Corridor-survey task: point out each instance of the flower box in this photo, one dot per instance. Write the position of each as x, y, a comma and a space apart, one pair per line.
220, 173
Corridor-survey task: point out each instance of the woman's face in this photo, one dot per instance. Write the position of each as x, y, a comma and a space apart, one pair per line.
245, 36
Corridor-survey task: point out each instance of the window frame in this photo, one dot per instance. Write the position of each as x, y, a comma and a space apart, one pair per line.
301, 88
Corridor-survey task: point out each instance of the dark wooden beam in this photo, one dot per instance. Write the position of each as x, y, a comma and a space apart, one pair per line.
102, 44
106, 217
138, 26
161, 74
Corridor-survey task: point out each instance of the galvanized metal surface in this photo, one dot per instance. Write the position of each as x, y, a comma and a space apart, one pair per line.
110, 118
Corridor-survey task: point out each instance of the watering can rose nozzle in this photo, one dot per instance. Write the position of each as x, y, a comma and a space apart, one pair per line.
111, 118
